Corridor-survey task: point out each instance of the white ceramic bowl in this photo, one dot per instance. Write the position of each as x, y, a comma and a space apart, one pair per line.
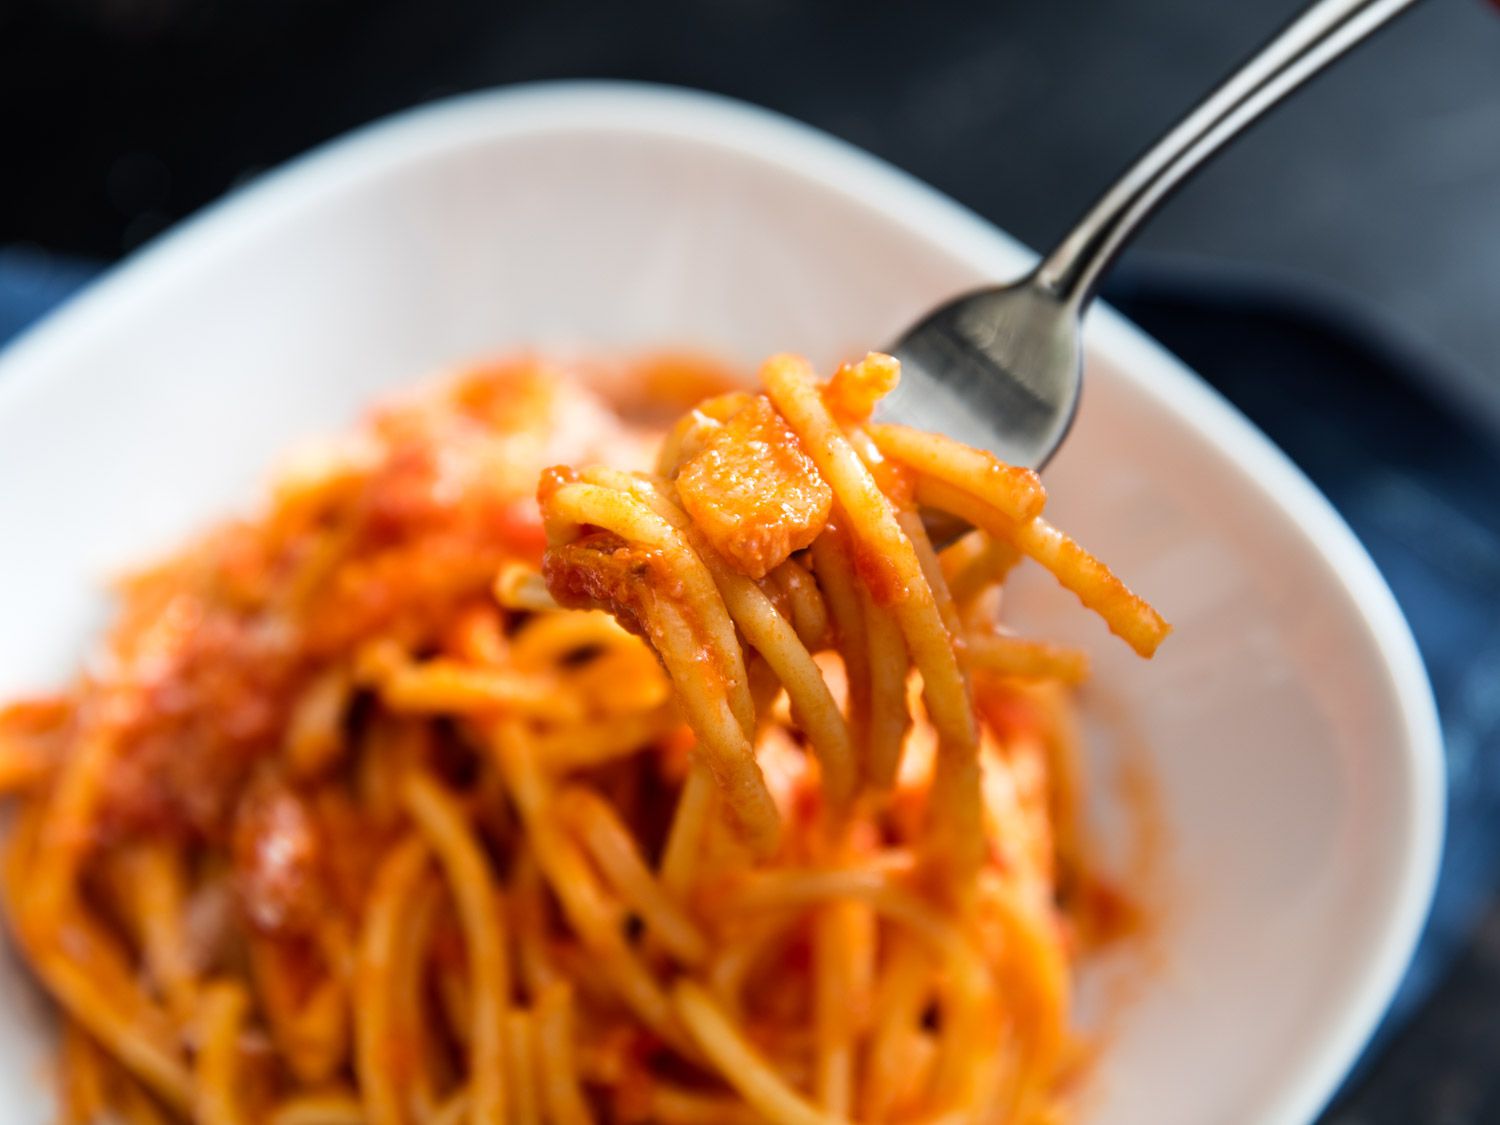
1288, 722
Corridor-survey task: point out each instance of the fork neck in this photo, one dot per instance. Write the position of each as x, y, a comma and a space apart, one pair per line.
1324, 31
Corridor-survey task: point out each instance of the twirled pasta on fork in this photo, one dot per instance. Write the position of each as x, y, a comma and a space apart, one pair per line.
786, 526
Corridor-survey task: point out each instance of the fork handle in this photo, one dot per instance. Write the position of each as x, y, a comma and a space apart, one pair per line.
1323, 32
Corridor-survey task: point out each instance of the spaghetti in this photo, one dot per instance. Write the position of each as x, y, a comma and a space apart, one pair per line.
377, 810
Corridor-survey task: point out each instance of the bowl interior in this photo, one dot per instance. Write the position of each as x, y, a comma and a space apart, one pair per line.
1284, 723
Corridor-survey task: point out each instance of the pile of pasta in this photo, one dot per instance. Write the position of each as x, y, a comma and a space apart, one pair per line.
708, 793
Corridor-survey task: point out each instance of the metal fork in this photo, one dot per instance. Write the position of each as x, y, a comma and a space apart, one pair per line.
1001, 368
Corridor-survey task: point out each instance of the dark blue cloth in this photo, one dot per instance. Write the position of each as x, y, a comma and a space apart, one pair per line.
1359, 410
33, 282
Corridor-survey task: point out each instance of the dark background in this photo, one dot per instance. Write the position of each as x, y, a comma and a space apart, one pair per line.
1379, 190
122, 115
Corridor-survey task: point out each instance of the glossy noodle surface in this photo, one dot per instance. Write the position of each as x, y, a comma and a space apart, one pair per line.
519, 761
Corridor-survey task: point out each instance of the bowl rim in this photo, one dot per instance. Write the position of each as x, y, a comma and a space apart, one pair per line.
719, 122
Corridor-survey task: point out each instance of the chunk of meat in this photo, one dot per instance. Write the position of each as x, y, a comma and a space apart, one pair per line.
599, 570
754, 492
